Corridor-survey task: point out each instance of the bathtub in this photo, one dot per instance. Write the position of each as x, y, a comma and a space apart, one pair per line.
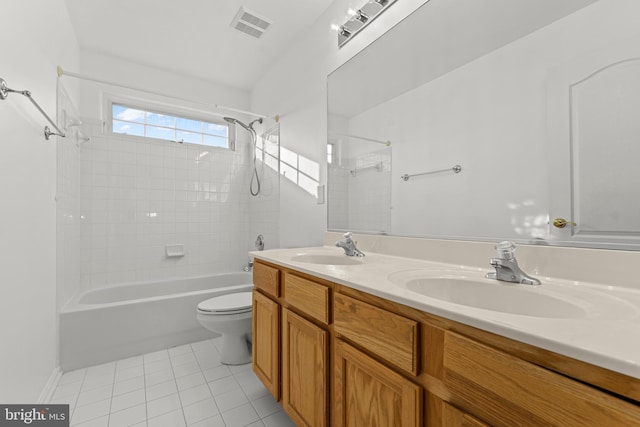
116, 322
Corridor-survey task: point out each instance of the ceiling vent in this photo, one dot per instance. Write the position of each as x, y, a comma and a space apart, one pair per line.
250, 23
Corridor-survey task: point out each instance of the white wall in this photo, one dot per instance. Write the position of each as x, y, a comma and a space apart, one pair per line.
139, 76
295, 88
36, 37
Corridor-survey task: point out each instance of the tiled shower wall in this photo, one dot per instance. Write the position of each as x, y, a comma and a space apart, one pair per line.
137, 196
369, 182
360, 194
265, 207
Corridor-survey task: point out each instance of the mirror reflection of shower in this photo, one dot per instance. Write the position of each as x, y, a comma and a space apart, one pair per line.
254, 176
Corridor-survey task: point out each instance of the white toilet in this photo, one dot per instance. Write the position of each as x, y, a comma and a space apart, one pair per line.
229, 315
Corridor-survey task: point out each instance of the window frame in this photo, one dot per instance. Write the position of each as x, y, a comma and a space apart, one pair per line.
181, 112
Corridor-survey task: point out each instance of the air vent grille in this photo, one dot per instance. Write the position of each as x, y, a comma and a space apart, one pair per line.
250, 23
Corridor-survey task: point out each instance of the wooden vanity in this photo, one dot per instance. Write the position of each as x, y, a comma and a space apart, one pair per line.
335, 356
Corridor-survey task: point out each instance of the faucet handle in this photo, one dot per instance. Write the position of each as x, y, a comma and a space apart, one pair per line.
348, 236
506, 249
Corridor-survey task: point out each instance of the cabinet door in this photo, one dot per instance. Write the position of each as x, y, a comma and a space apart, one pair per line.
304, 370
367, 393
266, 342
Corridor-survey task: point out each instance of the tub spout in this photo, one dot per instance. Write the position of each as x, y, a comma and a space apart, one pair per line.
248, 267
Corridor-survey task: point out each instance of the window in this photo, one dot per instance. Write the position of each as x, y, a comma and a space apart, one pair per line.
134, 121
329, 153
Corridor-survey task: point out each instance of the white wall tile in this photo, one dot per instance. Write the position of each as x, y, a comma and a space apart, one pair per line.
140, 196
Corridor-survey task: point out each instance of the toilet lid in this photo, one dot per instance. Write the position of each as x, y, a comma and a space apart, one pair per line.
238, 302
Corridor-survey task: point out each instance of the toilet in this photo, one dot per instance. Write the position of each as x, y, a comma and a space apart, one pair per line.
229, 315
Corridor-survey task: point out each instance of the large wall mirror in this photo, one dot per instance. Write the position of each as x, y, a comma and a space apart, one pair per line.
538, 103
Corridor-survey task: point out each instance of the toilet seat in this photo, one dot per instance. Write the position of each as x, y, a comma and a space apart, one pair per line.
236, 303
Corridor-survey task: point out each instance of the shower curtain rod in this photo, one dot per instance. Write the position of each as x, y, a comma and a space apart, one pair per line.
62, 72
4, 93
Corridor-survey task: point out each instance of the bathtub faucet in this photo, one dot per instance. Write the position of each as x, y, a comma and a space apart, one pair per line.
248, 267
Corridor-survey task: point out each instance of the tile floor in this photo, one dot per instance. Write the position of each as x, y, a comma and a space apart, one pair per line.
179, 386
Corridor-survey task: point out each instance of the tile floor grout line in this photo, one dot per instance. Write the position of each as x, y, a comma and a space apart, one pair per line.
144, 387
184, 416
75, 405
113, 384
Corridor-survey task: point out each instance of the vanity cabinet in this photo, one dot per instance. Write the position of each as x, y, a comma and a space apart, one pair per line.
291, 352
337, 356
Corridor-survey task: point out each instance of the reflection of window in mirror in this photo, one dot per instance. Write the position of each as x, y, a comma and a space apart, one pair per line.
329, 153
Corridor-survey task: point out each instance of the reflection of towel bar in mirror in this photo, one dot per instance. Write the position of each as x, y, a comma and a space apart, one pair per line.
455, 169
378, 167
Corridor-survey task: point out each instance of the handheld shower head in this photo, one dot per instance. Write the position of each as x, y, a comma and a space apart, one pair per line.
248, 127
236, 122
254, 136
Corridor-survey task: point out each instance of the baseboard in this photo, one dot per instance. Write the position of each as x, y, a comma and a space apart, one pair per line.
47, 393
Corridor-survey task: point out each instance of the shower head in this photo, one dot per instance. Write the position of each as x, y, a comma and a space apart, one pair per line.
236, 121
248, 127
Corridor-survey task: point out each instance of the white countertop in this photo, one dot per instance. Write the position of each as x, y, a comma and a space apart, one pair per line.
605, 334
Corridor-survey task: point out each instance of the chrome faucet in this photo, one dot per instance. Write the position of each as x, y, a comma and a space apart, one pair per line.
248, 266
349, 246
507, 268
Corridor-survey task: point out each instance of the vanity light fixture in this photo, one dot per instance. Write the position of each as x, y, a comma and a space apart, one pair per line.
358, 19
361, 16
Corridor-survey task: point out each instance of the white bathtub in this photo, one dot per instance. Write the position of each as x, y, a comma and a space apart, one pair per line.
121, 321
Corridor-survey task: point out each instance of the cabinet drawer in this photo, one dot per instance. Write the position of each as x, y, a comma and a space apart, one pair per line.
386, 334
310, 297
507, 391
266, 278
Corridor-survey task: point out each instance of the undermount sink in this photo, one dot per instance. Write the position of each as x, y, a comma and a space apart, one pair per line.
497, 296
327, 259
